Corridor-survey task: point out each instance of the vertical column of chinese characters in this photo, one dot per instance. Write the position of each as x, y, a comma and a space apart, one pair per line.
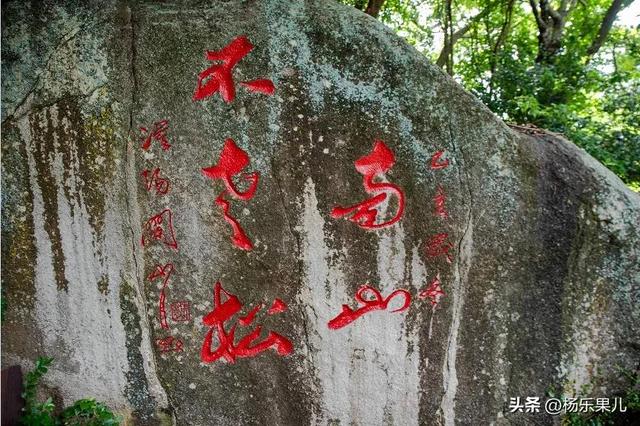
159, 229
438, 245
231, 164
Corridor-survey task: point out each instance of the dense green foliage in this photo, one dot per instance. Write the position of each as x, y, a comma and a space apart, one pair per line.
630, 399
593, 98
37, 413
82, 412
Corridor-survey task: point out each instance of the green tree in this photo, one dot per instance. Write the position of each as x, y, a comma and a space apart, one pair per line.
562, 65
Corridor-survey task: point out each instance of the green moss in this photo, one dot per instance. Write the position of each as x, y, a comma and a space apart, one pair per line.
18, 245
44, 155
85, 145
103, 285
96, 157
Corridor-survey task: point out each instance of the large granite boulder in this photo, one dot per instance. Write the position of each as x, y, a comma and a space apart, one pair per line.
500, 264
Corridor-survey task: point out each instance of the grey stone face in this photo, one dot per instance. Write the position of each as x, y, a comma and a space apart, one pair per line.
541, 292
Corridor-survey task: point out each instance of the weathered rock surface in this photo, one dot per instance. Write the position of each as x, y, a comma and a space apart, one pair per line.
542, 291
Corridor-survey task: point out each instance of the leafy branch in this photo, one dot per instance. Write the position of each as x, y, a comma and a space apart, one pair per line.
82, 412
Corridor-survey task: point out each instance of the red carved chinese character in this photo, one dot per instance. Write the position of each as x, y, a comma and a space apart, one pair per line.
163, 272
153, 179
436, 163
158, 134
277, 307
439, 201
160, 228
180, 311
231, 163
248, 346
166, 344
169, 344
375, 164
439, 245
348, 315
218, 78
433, 292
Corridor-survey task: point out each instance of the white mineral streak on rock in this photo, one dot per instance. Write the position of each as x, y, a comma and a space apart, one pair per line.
587, 334
386, 343
458, 292
354, 363
419, 273
86, 341
329, 358
420, 280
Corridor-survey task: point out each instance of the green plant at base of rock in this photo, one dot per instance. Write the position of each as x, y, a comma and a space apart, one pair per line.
88, 412
82, 412
630, 400
37, 413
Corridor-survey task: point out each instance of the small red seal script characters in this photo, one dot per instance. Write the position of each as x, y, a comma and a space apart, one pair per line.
437, 163
152, 179
433, 292
160, 228
156, 134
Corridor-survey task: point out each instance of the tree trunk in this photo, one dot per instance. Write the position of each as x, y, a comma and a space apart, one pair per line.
607, 23
550, 42
551, 23
502, 37
360, 4
373, 7
451, 39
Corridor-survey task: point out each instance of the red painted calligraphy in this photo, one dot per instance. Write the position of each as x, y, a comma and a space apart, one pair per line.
180, 311
163, 272
437, 163
374, 165
157, 134
277, 307
219, 78
152, 179
439, 200
260, 86
348, 315
248, 346
169, 344
239, 238
439, 245
231, 163
433, 292
160, 228
248, 319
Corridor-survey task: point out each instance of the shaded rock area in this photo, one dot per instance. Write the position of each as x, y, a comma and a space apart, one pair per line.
542, 283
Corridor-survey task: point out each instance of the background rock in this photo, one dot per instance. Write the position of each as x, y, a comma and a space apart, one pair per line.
542, 291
